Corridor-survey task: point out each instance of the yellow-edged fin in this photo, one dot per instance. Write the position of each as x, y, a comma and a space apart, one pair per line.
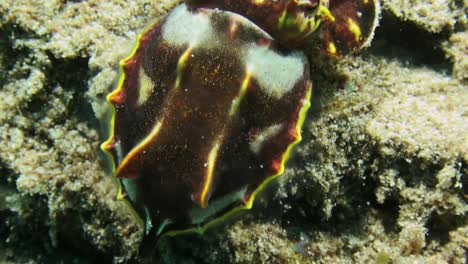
140, 146
249, 203
287, 153
124, 61
105, 144
212, 156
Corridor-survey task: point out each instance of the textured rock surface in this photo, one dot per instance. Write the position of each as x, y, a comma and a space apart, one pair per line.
381, 174
432, 15
57, 64
457, 49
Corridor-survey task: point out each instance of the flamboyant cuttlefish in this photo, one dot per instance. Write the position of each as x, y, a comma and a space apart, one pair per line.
212, 99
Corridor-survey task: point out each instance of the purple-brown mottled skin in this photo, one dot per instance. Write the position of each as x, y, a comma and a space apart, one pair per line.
268, 14
336, 29
349, 16
165, 142
210, 104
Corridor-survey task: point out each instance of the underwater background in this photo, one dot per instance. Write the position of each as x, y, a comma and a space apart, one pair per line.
379, 177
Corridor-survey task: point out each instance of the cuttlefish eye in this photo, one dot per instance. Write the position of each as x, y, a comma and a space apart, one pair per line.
299, 19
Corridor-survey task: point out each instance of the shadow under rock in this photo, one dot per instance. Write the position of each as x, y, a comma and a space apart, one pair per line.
407, 42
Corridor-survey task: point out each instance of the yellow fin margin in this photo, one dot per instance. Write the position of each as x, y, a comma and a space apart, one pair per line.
249, 203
